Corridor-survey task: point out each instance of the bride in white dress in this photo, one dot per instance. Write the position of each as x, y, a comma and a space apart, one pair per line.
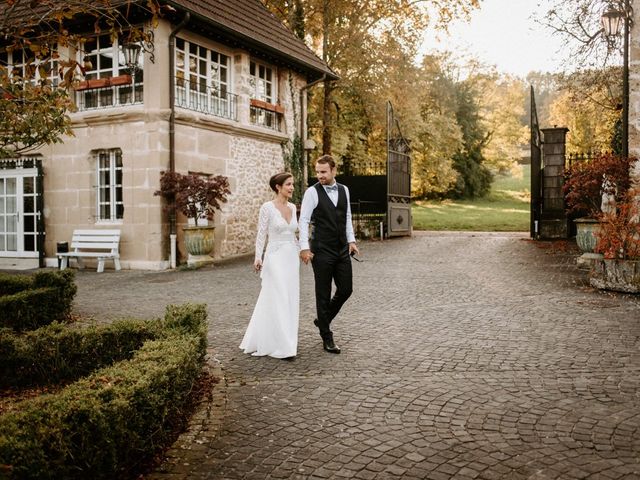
273, 328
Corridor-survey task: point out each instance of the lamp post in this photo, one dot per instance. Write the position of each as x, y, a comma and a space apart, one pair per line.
612, 22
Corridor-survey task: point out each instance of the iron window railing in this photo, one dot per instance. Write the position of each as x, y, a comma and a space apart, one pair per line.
264, 118
111, 96
205, 99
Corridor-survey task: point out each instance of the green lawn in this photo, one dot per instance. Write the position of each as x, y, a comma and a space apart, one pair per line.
505, 209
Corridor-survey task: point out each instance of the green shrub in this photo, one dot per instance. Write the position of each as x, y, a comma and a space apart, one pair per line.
47, 299
104, 425
63, 281
56, 353
187, 318
11, 283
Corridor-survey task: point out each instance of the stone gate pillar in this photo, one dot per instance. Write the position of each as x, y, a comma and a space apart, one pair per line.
553, 219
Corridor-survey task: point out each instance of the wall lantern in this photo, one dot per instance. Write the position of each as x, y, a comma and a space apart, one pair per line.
131, 52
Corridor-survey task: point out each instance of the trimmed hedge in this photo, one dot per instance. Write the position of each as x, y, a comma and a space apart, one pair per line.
56, 353
10, 284
32, 302
104, 425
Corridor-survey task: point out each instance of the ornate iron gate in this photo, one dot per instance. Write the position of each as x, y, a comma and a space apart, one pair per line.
398, 179
536, 170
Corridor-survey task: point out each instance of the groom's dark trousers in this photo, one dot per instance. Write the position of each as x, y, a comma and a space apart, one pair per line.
331, 261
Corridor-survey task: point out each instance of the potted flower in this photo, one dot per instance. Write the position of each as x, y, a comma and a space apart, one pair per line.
618, 240
197, 197
586, 184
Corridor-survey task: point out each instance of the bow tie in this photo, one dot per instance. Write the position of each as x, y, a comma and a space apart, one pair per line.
331, 188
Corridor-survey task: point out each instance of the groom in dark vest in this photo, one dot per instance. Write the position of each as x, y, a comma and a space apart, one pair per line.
326, 207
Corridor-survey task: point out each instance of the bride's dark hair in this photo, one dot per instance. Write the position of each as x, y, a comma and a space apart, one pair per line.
279, 179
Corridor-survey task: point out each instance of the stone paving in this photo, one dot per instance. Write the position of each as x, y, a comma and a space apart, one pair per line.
464, 356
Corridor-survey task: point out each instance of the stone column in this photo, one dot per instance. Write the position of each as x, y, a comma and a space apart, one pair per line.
553, 220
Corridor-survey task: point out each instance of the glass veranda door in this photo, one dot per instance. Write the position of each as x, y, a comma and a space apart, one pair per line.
19, 214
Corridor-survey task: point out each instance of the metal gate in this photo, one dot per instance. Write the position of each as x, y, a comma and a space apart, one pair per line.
398, 179
536, 170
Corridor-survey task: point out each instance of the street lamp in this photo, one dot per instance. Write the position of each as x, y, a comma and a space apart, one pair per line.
612, 22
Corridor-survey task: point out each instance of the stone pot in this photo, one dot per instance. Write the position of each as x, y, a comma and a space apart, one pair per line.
585, 236
199, 242
617, 275
586, 241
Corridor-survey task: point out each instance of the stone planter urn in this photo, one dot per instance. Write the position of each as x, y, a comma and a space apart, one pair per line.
617, 275
586, 241
199, 242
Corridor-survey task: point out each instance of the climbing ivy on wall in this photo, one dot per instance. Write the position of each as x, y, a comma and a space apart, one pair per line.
293, 150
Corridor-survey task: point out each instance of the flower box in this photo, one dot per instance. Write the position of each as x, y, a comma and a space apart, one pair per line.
267, 106
93, 83
121, 80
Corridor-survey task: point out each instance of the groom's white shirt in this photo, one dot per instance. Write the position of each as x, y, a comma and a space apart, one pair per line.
309, 204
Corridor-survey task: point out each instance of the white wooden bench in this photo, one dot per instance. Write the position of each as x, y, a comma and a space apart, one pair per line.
99, 244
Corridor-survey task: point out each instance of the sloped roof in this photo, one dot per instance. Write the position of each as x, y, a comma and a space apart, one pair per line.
249, 22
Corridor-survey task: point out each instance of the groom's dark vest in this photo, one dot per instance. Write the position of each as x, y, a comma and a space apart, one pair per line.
329, 221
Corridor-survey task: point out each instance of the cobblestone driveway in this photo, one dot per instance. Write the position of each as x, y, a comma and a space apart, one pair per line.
464, 356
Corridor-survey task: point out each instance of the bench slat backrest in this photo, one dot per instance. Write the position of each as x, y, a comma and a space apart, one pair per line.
96, 240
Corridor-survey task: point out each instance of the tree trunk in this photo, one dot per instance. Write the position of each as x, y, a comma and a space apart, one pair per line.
326, 103
326, 118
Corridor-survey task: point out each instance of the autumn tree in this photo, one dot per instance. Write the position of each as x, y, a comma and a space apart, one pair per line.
474, 177
34, 92
503, 100
586, 103
590, 52
357, 40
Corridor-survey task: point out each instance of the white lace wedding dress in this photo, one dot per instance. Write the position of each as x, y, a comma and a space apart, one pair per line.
273, 328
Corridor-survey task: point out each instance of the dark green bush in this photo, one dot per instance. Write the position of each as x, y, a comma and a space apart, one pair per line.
47, 299
56, 353
61, 280
11, 283
104, 425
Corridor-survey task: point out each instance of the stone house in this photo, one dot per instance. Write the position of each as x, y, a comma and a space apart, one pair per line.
222, 90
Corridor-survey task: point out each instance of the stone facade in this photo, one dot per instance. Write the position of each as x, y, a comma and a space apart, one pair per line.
246, 153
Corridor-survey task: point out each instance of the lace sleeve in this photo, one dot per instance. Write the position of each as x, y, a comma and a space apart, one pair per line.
263, 228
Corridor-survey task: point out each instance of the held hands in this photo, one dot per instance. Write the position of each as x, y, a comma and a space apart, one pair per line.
257, 265
353, 249
306, 256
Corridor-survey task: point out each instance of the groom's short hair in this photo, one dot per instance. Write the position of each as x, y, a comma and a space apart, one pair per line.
327, 159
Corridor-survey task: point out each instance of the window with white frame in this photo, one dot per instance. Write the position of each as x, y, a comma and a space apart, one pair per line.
262, 82
202, 80
109, 204
28, 67
103, 59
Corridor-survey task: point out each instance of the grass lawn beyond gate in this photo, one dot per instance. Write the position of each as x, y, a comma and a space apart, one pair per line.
504, 209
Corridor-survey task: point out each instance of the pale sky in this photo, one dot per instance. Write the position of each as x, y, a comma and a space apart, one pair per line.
503, 33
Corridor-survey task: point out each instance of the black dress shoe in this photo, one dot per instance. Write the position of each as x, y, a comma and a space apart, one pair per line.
329, 346
289, 359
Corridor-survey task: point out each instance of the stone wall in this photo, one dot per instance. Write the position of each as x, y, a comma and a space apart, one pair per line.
253, 162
